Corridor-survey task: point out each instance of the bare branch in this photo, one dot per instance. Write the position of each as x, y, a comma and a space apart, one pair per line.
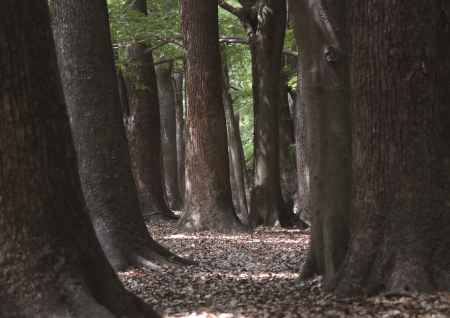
238, 12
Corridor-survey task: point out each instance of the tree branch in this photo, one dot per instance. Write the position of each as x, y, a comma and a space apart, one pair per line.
238, 12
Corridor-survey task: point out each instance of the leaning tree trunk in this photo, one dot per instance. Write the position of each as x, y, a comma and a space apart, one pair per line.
266, 44
177, 81
401, 156
167, 102
143, 127
324, 93
208, 203
51, 264
91, 92
237, 162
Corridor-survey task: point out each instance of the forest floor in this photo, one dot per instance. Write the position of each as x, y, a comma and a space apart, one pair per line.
255, 275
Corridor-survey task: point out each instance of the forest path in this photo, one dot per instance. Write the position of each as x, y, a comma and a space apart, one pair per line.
255, 275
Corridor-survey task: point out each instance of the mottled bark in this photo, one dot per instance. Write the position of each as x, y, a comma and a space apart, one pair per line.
324, 92
143, 127
234, 149
167, 102
178, 79
401, 156
208, 204
51, 264
91, 92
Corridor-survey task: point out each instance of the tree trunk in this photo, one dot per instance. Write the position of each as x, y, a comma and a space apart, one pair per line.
179, 115
143, 127
234, 149
401, 157
51, 264
208, 203
266, 44
167, 102
90, 86
324, 90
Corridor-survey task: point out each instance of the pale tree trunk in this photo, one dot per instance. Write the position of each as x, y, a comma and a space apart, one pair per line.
208, 203
401, 156
177, 80
167, 102
235, 151
324, 93
143, 127
51, 264
91, 92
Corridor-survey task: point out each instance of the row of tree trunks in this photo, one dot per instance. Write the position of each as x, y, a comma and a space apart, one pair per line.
167, 101
89, 80
208, 204
324, 93
143, 126
51, 264
235, 151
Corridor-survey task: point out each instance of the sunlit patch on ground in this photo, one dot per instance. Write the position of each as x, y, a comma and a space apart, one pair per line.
255, 275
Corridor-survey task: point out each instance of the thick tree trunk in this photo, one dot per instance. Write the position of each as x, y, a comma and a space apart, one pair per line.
178, 87
167, 102
51, 264
266, 44
234, 150
401, 156
143, 127
91, 92
208, 203
324, 91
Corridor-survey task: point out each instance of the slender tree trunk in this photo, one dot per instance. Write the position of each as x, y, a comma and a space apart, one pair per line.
401, 157
208, 203
167, 103
179, 115
51, 264
234, 149
91, 91
143, 127
324, 90
266, 44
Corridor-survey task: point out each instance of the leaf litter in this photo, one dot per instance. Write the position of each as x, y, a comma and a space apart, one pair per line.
255, 275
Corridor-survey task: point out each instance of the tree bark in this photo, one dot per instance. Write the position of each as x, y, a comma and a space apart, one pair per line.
90, 86
235, 151
51, 264
401, 157
178, 79
143, 127
208, 203
324, 90
167, 102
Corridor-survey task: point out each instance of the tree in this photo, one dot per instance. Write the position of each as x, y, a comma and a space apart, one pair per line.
208, 204
143, 125
265, 23
51, 264
91, 91
324, 92
167, 101
401, 157
178, 87
235, 152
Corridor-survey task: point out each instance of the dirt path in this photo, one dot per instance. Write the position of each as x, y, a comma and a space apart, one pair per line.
255, 276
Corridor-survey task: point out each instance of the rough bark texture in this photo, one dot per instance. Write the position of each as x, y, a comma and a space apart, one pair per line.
324, 92
143, 127
91, 92
51, 264
401, 156
167, 102
208, 203
235, 151
178, 80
